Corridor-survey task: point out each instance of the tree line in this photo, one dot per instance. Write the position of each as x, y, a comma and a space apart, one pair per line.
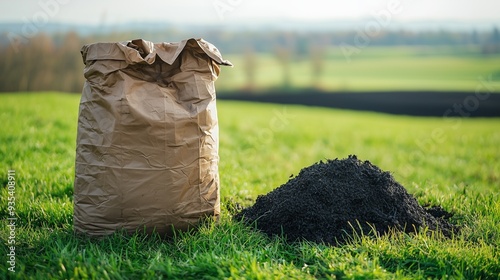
53, 62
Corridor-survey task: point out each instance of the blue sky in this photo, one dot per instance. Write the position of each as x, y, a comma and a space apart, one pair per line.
227, 11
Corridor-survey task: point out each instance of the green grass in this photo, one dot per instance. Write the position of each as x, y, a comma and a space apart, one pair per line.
260, 147
375, 68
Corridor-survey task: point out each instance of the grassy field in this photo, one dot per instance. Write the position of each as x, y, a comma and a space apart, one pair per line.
453, 163
374, 68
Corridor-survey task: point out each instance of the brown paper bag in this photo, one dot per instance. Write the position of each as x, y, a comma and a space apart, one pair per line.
147, 141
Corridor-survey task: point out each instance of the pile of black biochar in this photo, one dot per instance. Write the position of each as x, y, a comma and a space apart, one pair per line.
330, 201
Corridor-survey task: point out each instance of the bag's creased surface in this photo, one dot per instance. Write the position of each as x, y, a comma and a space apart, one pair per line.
147, 141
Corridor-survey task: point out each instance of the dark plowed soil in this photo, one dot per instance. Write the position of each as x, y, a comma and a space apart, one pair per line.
412, 103
330, 201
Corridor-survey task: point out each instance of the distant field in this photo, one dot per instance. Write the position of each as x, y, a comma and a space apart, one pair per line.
375, 68
451, 162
